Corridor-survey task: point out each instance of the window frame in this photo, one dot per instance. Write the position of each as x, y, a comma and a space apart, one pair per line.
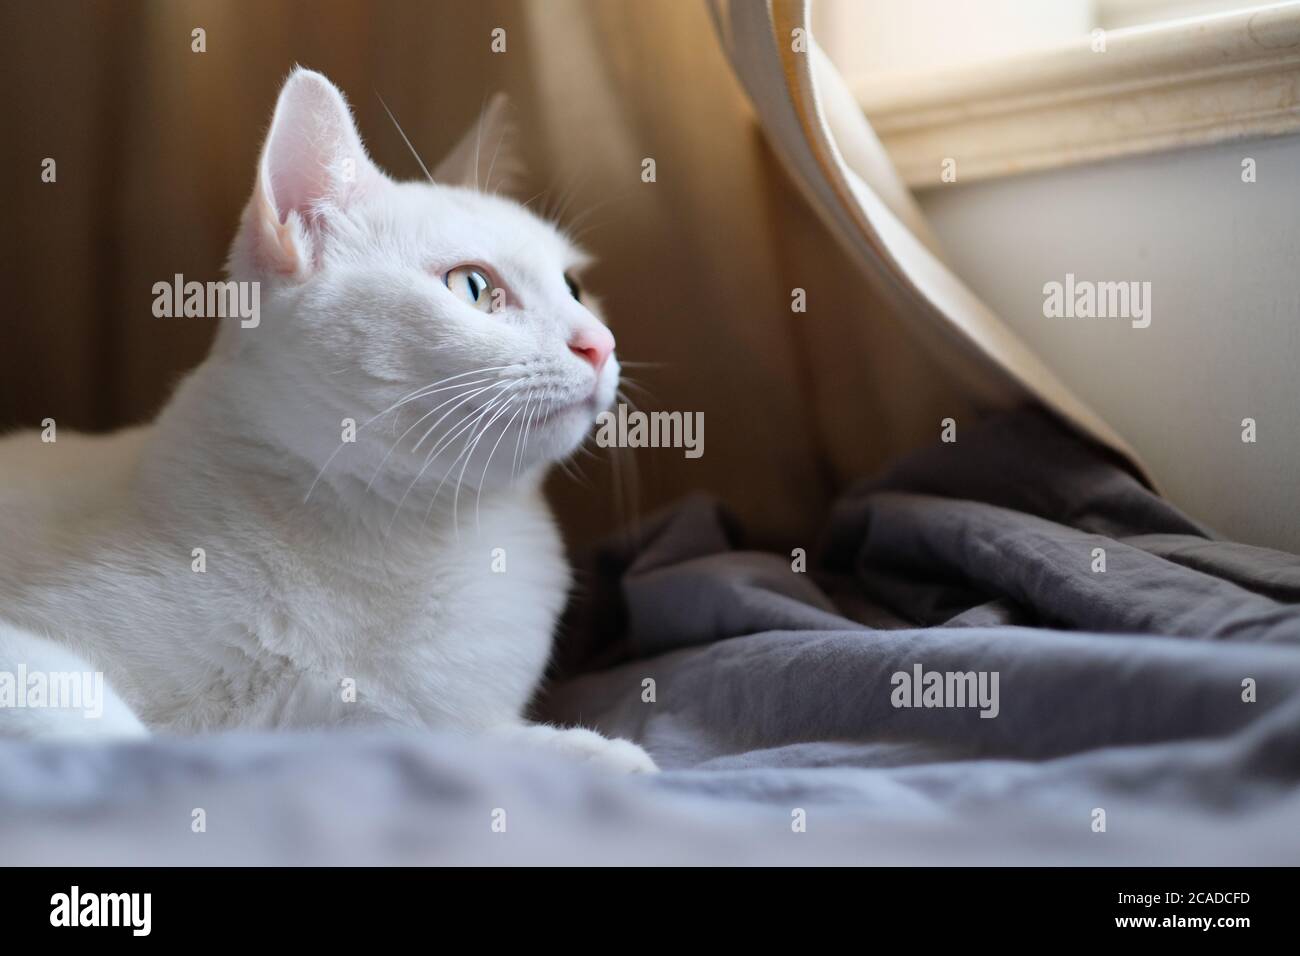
1155, 87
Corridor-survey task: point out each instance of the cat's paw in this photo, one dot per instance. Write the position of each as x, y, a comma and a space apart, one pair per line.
608, 753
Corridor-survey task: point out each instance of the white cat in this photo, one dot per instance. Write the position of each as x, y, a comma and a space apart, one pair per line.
240, 562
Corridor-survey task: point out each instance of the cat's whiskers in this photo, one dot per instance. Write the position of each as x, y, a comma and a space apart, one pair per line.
625, 398
533, 198
478, 138
572, 471
443, 443
415, 424
470, 442
570, 194
463, 400
463, 425
632, 383
514, 463
487, 180
432, 391
415, 395
478, 498
482, 433
424, 390
402, 133
505, 431
553, 212
575, 229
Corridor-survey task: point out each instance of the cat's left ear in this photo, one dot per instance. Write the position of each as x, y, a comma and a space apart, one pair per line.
312, 166
487, 156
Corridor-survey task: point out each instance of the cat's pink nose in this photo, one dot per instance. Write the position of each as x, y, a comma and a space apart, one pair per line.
593, 343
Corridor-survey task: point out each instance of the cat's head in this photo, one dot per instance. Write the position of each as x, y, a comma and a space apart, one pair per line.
437, 297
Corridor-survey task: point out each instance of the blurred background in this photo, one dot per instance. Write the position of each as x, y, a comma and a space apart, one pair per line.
155, 148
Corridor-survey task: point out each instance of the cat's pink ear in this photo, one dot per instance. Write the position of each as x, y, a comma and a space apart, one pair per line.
486, 157
312, 165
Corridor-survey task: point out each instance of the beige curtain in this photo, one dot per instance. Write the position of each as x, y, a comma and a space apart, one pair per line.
156, 144
828, 147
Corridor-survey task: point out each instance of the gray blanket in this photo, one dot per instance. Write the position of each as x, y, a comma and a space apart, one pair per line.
1005, 650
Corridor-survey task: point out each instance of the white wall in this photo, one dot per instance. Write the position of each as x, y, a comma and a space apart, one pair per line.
867, 36
1223, 258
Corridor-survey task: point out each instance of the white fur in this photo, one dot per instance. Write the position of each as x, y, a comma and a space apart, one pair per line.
314, 574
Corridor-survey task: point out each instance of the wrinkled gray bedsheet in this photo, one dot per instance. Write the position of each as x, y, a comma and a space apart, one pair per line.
774, 701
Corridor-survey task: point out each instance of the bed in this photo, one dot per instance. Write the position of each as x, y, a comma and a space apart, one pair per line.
1147, 713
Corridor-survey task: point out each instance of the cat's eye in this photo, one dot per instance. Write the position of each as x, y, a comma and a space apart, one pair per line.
574, 289
472, 286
